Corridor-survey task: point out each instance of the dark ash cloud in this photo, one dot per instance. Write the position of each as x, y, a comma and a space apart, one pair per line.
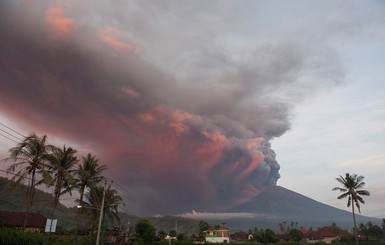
181, 113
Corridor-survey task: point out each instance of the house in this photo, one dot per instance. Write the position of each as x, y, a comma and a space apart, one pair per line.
220, 235
326, 234
35, 222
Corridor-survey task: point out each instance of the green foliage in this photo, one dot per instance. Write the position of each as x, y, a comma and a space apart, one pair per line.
162, 234
61, 172
370, 230
175, 242
182, 237
172, 233
265, 236
343, 240
12, 236
30, 158
87, 240
295, 235
194, 238
203, 226
145, 231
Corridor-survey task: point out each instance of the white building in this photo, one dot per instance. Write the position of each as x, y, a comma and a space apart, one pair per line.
221, 235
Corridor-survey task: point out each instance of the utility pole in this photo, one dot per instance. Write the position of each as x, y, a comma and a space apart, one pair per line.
101, 214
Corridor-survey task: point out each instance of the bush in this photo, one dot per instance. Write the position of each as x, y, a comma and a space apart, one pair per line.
12, 236
87, 240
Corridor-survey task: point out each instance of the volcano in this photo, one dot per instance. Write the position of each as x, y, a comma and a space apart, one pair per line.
277, 204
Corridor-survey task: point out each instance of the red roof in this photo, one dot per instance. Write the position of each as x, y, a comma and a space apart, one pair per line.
304, 231
221, 228
16, 219
327, 231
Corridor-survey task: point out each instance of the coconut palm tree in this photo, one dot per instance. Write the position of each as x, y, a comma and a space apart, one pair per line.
30, 158
352, 187
93, 204
61, 169
89, 174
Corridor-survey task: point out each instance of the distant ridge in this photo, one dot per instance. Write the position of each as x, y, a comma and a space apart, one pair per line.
276, 204
277, 200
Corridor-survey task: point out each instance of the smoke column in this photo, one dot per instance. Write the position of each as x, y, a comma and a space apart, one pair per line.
183, 122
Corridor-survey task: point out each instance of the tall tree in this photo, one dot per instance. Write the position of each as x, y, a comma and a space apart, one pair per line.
30, 158
352, 187
89, 174
145, 231
93, 204
202, 227
61, 169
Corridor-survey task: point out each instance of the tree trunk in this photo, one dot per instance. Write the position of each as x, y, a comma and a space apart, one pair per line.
32, 189
78, 210
354, 221
29, 198
56, 196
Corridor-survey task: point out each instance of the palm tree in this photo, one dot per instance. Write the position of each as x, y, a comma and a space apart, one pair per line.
30, 157
93, 204
89, 174
61, 168
352, 188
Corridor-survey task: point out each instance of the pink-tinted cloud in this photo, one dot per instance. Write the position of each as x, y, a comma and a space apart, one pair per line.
112, 37
62, 25
132, 116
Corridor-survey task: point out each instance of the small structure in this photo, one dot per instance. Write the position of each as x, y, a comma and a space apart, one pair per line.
220, 235
35, 222
241, 236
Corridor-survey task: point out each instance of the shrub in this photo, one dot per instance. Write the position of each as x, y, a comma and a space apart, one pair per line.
12, 236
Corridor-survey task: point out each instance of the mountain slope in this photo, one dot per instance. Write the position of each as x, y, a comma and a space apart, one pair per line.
11, 200
280, 204
281, 201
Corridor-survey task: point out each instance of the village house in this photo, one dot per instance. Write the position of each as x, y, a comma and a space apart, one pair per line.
35, 222
326, 234
220, 235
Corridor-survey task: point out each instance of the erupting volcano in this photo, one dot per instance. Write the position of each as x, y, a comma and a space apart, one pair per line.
182, 124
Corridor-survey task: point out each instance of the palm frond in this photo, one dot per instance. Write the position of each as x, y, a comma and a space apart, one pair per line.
339, 189
363, 192
343, 195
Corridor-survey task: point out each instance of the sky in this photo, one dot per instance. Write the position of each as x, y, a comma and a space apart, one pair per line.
200, 105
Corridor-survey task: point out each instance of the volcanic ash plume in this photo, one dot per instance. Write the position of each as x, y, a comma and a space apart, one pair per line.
183, 123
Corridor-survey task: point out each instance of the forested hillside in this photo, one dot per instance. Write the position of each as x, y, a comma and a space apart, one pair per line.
12, 198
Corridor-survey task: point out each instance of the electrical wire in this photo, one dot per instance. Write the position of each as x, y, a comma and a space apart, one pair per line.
12, 129
135, 199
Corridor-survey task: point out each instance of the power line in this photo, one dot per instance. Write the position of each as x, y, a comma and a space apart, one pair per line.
8, 138
8, 172
135, 199
10, 134
12, 130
